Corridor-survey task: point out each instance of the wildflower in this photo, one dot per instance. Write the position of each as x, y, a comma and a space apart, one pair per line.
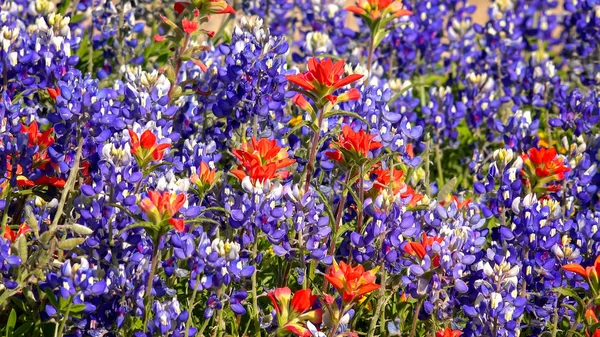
145, 149
448, 333
322, 79
352, 282
383, 179
189, 26
13, 236
353, 146
43, 140
205, 7
53, 92
158, 38
204, 178
260, 160
543, 166
590, 274
294, 321
418, 249
375, 9
300, 101
160, 208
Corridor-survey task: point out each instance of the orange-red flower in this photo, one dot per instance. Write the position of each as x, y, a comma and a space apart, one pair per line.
399, 187
375, 9
448, 333
53, 92
145, 149
542, 166
205, 7
189, 26
418, 249
459, 204
590, 274
545, 163
294, 320
323, 78
352, 282
13, 236
352, 146
260, 160
205, 176
42, 140
160, 208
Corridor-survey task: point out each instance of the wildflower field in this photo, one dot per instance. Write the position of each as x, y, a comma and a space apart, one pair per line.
310, 168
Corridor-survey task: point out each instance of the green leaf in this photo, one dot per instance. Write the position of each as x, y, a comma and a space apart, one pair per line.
310, 124
20, 304
148, 226
203, 220
20, 331
22, 245
215, 209
567, 292
124, 209
71, 243
327, 207
12, 321
446, 190
75, 308
52, 298
379, 36
79, 229
32, 220
334, 113
401, 92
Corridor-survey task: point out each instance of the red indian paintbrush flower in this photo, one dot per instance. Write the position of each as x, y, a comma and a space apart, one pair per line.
145, 149
294, 312
205, 7
13, 236
43, 140
205, 177
542, 166
375, 9
189, 26
260, 160
323, 78
353, 146
160, 208
448, 333
53, 92
399, 187
590, 274
418, 249
352, 282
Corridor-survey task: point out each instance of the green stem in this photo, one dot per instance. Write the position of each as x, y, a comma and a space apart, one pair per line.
370, 57
191, 304
336, 225
416, 318
254, 290
59, 333
5, 211
381, 304
427, 170
361, 197
153, 265
203, 327
182, 49
313, 151
68, 185
438, 162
